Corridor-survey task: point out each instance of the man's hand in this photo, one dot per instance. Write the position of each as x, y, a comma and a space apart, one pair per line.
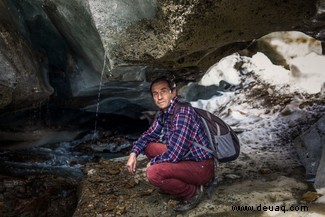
132, 163
148, 164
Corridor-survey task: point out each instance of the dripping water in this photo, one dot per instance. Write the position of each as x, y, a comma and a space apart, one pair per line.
98, 96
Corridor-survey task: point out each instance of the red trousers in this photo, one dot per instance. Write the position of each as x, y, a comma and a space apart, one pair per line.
179, 179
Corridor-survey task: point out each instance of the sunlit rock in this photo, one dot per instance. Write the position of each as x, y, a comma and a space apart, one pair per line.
283, 47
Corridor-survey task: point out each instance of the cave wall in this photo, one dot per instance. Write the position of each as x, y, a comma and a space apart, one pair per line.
64, 48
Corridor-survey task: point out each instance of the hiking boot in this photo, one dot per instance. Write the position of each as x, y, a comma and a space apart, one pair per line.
160, 191
191, 203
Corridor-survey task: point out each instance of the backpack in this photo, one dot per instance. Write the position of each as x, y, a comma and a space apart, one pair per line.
224, 143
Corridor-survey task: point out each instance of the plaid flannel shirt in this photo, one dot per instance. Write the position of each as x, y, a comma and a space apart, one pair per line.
178, 134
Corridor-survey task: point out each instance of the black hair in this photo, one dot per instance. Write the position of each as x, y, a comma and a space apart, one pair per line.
171, 84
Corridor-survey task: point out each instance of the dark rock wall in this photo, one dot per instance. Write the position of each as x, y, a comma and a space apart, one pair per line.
65, 49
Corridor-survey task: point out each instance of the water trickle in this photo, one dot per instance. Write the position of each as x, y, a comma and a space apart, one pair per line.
95, 135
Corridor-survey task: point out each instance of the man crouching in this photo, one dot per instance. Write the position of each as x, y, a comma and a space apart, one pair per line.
176, 165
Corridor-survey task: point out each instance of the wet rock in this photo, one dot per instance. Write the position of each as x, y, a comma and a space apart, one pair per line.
320, 175
20, 140
37, 195
25, 82
310, 145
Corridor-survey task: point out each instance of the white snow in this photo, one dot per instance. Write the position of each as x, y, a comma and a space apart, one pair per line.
260, 127
293, 44
306, 74
223, 70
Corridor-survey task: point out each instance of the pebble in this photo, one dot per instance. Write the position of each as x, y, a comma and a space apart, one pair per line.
310, 196
91, 172
232, 176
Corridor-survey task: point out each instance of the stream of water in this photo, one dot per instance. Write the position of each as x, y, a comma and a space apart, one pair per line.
98, 95
64, 159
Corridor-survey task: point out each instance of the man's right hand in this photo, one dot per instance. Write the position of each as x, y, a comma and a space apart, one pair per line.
132, 163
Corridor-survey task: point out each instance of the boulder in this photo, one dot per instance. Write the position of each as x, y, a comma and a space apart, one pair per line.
310, 149
320, 175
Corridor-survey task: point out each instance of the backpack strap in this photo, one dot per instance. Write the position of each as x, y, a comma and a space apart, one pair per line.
218, 130
213, 152
209, 150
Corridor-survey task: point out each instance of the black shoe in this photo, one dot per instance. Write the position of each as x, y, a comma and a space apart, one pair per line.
162, 192
186, 205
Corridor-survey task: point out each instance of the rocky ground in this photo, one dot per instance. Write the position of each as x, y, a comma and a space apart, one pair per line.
262, 178
275, 186
37, 195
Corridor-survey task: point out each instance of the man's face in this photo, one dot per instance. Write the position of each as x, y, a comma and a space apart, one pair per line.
162, 94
